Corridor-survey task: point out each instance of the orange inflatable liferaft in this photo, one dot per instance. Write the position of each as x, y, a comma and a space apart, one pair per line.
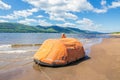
57, 52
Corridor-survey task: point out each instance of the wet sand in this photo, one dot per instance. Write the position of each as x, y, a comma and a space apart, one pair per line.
103, 63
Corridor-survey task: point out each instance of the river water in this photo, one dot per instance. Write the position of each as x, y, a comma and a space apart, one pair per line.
19, 48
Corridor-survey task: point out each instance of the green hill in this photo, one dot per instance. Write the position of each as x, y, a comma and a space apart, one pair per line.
115, 32
21, 28
16, 27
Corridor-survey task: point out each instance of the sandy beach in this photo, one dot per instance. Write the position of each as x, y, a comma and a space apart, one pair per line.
103, 63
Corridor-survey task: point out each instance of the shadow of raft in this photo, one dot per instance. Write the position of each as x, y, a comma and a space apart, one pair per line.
66, 65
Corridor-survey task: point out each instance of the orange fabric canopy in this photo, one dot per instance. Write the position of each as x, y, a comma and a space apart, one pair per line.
60, 51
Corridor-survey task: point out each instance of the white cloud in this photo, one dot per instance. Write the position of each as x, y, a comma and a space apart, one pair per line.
61, 5
57, 18
100, 10
40, 16
115, 4
70, 16
20, 13
56, 2
4, 5
31, 21
3, 21
87, 24
103, 2
27, 21
60, 9
79, 5
62, 16
57, 8
103, 9
44, 23
67, 24
85, 21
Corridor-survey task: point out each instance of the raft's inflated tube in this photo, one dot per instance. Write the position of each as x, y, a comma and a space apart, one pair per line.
46, 64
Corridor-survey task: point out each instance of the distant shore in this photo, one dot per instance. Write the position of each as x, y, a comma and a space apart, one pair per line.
103, 64
115, 35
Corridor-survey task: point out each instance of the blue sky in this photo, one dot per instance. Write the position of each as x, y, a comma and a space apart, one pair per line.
95, 15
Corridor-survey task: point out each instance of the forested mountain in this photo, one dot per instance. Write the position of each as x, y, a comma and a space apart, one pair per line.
21, 28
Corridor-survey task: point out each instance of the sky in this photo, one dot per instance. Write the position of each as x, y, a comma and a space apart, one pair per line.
93, 15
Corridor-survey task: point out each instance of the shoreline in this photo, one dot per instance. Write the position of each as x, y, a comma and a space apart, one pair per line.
104, 64
106, 56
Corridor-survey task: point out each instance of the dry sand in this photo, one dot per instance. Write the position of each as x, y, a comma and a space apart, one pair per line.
103, 64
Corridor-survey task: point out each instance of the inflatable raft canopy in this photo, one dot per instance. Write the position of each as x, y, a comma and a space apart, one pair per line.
58, 52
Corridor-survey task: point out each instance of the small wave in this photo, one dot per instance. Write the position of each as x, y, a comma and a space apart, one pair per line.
16, 51
18, 45
24, 45
5, 46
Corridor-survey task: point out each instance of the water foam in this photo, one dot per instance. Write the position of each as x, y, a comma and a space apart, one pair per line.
5, 46
16, 51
